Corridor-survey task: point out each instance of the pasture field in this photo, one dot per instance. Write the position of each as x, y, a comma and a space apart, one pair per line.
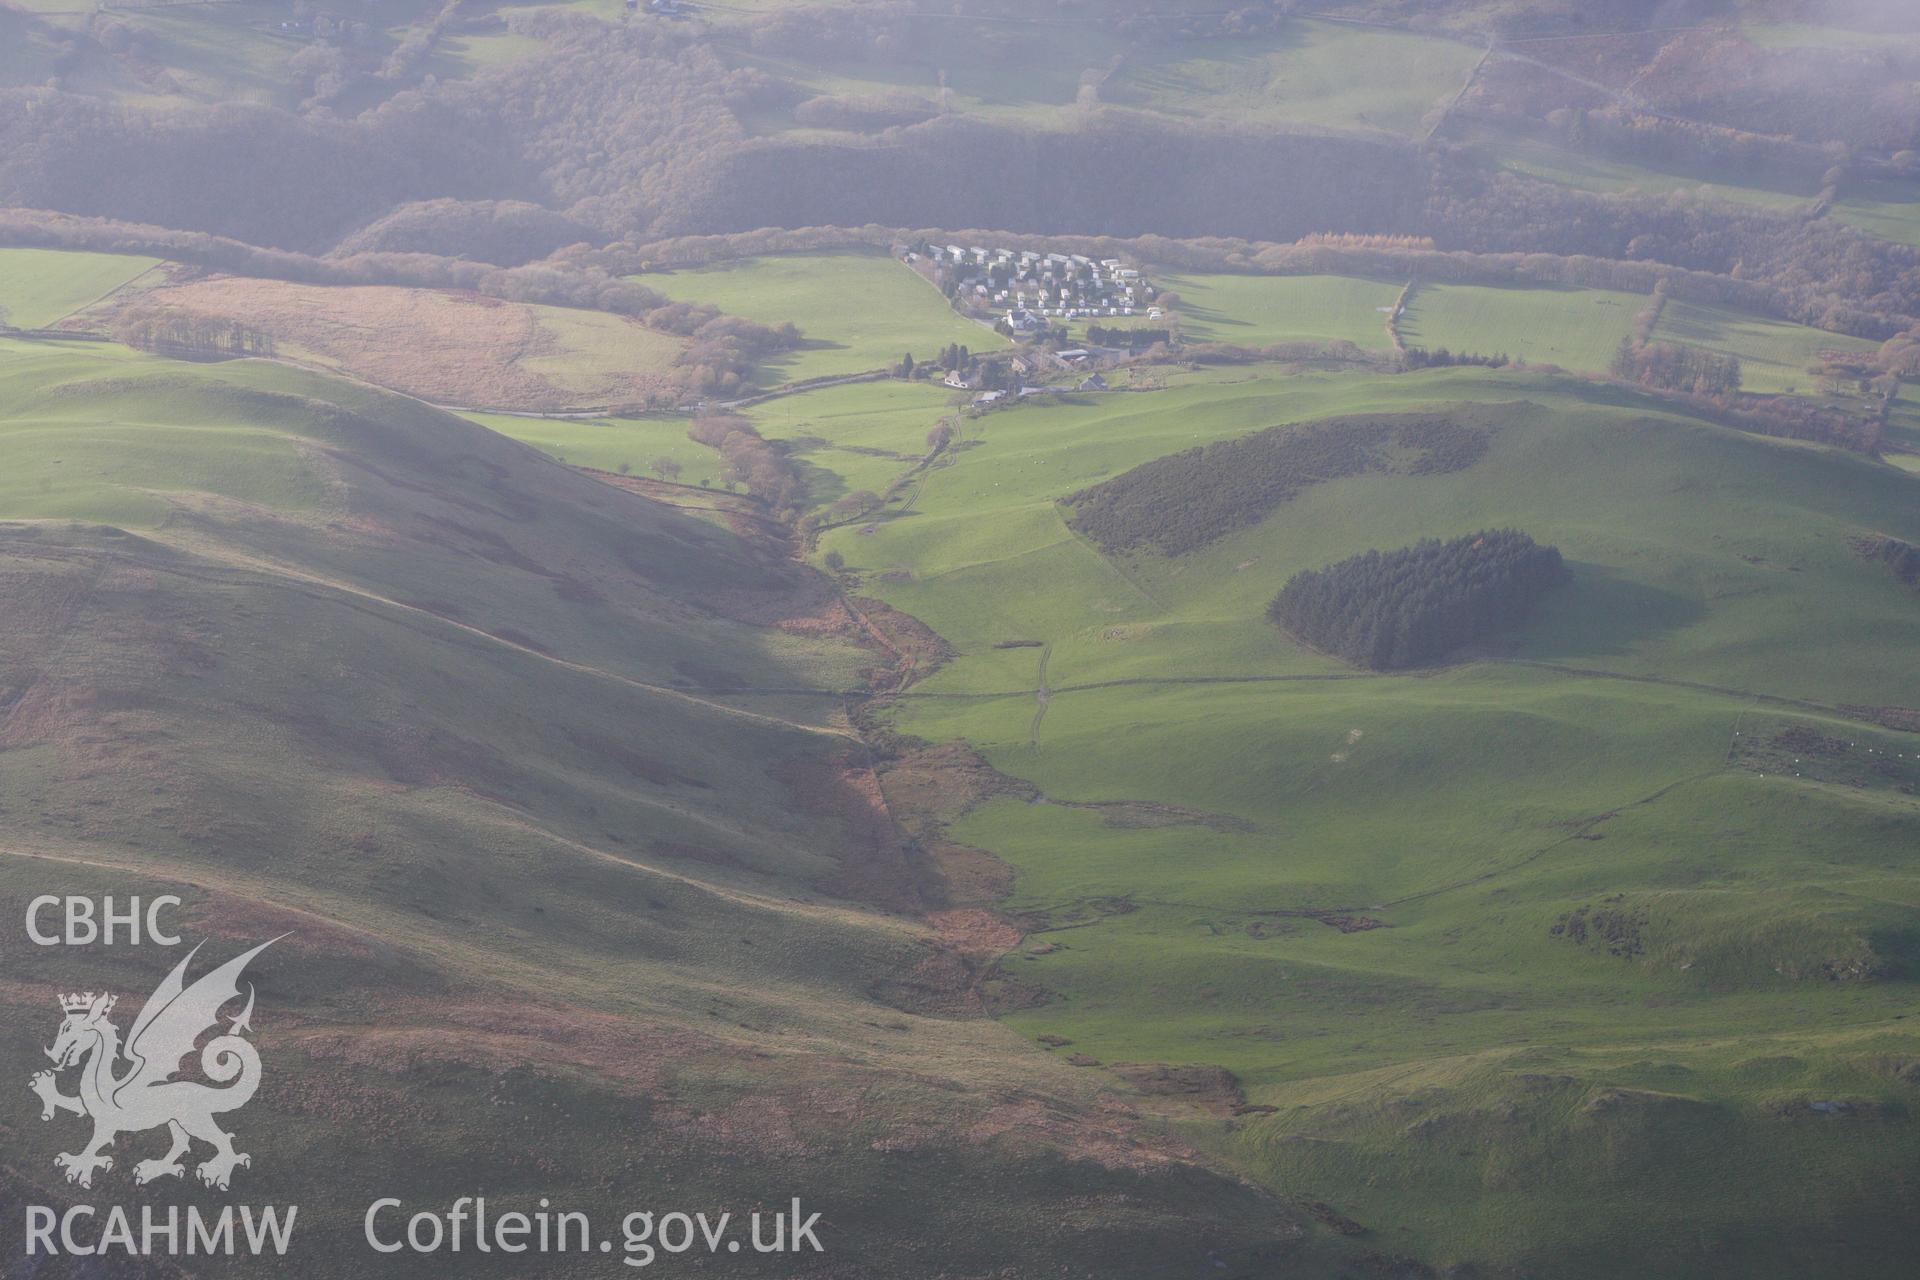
856, 311
220, 53
1534, 158
608, 444
1032, 75
454, 348
461, 54
1014, 69
853, 437
986, 556
128, 471
138, 440
1888, 210
233, 51
1774, 354
1577, 329
1013, 72
41, 286
1324, 74
1260, 311
1353, 890
591, 354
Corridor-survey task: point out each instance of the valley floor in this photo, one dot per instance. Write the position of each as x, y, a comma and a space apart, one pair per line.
1592, 948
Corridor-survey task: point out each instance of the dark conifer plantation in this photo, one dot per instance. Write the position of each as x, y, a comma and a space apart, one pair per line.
1391, 609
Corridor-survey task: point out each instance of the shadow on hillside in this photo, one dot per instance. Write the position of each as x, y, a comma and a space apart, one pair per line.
823, 486
1602, 613
781, 363
1618, 395
1694, 326
1205, 319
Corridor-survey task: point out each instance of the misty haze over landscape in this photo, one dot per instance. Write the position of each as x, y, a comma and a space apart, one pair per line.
960, 639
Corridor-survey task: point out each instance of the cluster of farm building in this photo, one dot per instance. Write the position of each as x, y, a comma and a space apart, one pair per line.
1028, 289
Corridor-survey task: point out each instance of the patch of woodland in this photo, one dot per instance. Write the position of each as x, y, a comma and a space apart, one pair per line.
1189, 500
1387, 610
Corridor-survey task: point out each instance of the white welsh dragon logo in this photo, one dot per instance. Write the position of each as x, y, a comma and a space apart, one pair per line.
145, 1095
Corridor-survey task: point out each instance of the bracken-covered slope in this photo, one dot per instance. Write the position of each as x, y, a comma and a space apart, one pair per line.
586, 893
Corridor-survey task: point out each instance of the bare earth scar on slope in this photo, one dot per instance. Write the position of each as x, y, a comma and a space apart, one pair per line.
447, 346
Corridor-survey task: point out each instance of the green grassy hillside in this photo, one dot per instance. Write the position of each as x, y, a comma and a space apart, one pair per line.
843, 438
1577, 329
553, 788
1325, 74
611, 444
856, 311
1007, 72
1775, 355
855, 437
40, 286
1898, 221
1534, 956
1015, 66
234, 52
1260, 311
1534, 158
